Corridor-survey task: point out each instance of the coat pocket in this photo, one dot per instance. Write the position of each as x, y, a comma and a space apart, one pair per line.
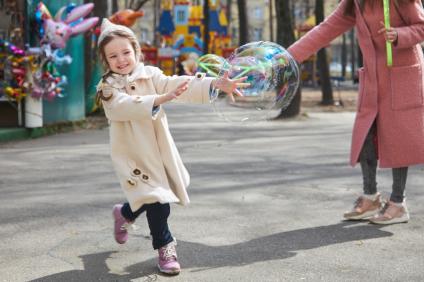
406, 86
361, 77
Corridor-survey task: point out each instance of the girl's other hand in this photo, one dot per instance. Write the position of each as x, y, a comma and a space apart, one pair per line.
173, 94
179, 90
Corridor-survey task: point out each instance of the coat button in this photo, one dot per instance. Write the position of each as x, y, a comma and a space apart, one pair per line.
131, 182
136, 171
138, 99
132, 87
145, 177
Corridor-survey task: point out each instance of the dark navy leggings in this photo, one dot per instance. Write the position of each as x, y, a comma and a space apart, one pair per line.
157, 217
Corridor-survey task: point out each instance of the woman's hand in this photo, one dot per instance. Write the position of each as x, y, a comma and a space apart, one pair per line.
230, 86
172, 95
390, 34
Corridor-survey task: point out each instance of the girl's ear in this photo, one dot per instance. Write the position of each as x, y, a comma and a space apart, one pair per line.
138, 55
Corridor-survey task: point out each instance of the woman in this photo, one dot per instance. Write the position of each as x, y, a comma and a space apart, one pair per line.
389, 124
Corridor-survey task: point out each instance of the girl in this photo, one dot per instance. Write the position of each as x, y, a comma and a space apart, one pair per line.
143, 152
389, 124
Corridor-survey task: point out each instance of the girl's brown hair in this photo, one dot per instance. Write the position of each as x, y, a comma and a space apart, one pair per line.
114, 34
350, 5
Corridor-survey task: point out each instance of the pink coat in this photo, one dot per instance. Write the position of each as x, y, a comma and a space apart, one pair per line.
393, 96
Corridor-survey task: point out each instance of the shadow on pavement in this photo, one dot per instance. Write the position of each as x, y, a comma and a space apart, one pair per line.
194, 255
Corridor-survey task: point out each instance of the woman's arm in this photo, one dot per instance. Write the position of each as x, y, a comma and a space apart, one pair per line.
413, 33
321, 35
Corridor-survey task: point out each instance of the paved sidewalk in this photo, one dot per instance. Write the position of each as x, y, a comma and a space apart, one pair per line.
267, 201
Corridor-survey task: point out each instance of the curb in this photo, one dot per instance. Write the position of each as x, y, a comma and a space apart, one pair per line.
14, 134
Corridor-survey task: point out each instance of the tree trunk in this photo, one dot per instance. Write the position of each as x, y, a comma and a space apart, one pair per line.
115, 6
156, 37
344, 56
353, 54
243, 22
99, 10
285, 37
324, 73
271, 22
229, 14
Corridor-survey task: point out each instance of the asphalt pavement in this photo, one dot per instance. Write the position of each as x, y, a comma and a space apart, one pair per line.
266, 205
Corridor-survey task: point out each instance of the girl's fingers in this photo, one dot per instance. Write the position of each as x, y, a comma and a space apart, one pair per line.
238, 93
242, 84
231, 98
241, 79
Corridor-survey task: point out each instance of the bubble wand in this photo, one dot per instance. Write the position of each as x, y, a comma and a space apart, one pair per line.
387, 26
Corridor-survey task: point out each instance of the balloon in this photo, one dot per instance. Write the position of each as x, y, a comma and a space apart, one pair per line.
272, 80
57, 31
126, 17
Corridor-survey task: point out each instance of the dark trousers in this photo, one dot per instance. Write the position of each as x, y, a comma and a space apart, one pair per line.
157, 217
368, 161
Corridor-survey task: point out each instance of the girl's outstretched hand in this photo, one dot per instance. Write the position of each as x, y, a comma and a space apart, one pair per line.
230, 86
173, 94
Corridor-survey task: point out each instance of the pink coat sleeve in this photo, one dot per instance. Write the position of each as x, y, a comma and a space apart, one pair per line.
321, 35
413, 33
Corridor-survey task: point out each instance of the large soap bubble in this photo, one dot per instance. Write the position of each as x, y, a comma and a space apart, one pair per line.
211, 64
272, 81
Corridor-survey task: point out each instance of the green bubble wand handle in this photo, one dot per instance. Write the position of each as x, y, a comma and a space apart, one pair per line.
387, 26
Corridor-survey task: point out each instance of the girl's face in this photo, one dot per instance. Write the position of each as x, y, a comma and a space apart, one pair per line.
120, 55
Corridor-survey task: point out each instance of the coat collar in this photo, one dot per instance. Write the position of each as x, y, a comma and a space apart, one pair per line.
120, 81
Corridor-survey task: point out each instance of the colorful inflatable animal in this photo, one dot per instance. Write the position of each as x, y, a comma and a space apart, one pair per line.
57, 31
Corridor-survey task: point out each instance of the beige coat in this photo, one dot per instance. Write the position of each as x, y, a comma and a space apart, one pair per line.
143, 152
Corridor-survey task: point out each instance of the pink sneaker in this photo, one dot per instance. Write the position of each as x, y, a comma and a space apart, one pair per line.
364, 208
391, 213
168, 259
121, 225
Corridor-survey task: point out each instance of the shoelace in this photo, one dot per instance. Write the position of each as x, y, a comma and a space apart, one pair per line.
358, 202
129, 226
169, 253
385, 207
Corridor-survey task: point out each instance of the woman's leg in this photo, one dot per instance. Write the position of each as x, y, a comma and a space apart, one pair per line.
399, 183
368, 204
368, 161
395, 211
